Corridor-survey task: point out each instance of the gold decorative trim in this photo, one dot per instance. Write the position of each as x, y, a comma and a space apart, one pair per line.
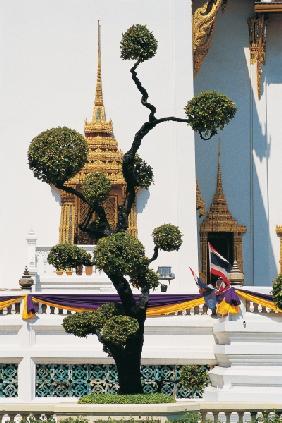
204, 19
200, 203
257, 42
279, 234
268, 7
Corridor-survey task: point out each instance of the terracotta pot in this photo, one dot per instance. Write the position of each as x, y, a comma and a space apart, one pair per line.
88, 270
59, 272
78, 270
69, 272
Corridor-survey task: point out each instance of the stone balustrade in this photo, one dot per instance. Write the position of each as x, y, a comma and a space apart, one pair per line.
206, 412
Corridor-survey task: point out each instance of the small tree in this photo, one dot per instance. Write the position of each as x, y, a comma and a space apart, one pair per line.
58, 154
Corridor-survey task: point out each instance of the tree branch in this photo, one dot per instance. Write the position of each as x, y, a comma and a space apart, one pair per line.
144, 298
155, 254
143, 92
71, 190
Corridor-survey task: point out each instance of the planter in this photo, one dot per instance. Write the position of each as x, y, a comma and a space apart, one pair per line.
163, 288
88, 270
59, 272
78, 270
69, 272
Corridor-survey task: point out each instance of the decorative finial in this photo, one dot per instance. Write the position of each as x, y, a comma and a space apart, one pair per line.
99, 110
26, 280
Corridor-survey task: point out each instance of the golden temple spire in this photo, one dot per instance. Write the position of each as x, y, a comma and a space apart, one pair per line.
99, 113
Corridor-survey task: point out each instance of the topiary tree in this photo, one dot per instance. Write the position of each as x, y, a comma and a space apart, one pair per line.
56, 155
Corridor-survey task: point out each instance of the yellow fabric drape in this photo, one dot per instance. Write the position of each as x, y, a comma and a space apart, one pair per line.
151, 311
261, 301
223, 308
8, 303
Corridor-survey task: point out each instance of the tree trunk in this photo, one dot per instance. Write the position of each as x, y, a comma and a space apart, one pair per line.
128, 364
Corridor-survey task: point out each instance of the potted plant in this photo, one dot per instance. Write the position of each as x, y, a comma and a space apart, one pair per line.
88, 264
63, 257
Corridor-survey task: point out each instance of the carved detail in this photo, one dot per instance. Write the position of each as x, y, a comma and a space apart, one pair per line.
219, 219
103, 156
257, 42
200, 203
279, 234
203, 26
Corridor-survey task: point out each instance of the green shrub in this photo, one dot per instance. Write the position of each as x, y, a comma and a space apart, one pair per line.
208, 112
64, 256
78, 419
138, 43
167, 237
57, 154
189, 417
156, 398
195, 378
277, 291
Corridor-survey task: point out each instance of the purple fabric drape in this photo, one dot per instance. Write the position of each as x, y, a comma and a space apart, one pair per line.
93, 301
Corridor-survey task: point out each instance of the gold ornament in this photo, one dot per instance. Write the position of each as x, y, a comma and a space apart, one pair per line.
257, 41
204, 19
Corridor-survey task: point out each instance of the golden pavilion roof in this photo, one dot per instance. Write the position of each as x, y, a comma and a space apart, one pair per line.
103, 155
219, 218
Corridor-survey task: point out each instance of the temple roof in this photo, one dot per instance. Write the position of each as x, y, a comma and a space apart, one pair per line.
219, 218
104, 155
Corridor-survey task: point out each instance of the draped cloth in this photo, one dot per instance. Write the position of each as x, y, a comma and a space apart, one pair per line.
159, 304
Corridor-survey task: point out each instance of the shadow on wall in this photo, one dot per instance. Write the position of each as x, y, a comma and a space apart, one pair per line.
244, 142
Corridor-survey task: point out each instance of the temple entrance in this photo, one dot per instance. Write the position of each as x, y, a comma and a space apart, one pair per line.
223, 242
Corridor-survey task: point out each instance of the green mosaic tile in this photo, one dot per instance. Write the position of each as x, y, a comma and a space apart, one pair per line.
8, 380
75, 380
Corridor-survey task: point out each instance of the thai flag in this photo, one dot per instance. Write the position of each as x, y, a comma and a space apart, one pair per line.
198, 280
219, 266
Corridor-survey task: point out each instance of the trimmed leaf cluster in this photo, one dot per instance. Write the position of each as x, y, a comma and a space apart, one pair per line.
143, 173
64, 256
89, 322
119, 329
209, 112
108, 322
167, 237
57, 154
120, 254
138, 43
96, 188
277, 291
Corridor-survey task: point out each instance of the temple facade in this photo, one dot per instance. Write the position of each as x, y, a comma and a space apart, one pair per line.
237, 51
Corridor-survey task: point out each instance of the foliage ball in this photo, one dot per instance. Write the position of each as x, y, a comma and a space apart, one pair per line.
88, 322
208, 112
167, 237
277, 291
63, 256
120, 254
138, 43
96, 188
118, 329
57, 154
143, 173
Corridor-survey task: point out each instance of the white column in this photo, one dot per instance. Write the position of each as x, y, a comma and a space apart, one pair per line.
31, 252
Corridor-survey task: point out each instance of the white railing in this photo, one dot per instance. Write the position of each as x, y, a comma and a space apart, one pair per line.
213, 413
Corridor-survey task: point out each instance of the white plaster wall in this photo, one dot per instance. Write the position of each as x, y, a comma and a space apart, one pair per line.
48, 72
250, 145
